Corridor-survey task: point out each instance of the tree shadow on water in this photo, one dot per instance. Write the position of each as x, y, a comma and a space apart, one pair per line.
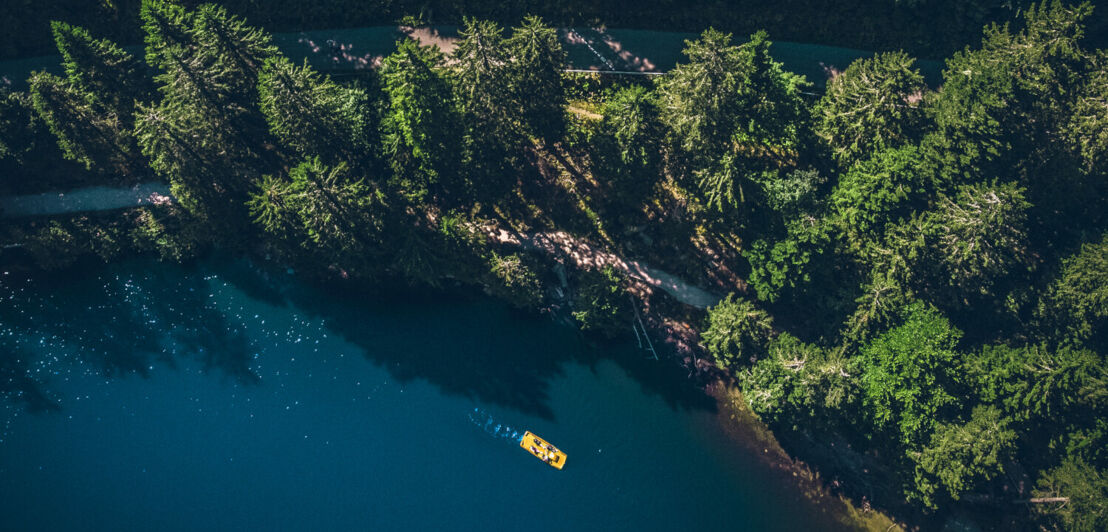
470, 345
118, 320
126, 318
482, 351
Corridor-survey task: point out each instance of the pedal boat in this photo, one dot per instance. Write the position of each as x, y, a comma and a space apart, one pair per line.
543, 450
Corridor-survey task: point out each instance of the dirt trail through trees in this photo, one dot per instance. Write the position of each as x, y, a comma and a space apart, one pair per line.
587, 255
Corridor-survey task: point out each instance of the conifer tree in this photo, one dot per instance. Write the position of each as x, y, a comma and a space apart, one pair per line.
492, 121
421, 125
341, 217
95, 139
535, 75
207, 135
101, 70
90, 111
729, 109
629, 149
315, 116
873, 104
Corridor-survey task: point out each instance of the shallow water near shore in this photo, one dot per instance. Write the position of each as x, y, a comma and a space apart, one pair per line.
223, 395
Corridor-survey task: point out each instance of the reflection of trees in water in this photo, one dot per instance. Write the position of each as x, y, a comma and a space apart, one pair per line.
116, 320
124, 319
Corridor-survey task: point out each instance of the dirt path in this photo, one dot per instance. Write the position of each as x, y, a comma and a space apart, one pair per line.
587, 255
85, 199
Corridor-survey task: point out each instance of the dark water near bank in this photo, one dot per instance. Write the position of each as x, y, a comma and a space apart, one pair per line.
146, 396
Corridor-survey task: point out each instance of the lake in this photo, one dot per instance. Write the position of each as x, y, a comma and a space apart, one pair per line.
228, 395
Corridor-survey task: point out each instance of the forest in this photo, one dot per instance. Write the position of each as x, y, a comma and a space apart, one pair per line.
917, 276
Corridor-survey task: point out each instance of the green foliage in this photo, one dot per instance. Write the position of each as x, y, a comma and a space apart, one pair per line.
59, 244
871, 106
959, 456
1088, 127
207, 136
788, 262
876, 192
342, 217
517, 281
491, 120
628, 144
100, 70
421, 124
1086, 488
725, 107
980, 236
795, 194
737, 333
535, 78
169, 233
883, 296
17, 126
84, 135
601, 302
1000, 104
1077, 302
957, 208
1059, 396
910, 378
315, 116
800, 384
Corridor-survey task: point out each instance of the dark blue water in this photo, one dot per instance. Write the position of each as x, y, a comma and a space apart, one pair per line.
146, 396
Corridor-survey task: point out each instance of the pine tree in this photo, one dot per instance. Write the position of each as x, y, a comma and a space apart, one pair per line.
96, 140
208, 135
872, 105
98, 68
961, 456
341, 217
492, 121
734, 112
91, 110
421, 125
315, 116
535, 75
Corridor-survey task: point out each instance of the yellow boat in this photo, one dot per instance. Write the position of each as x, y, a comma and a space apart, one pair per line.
543, 450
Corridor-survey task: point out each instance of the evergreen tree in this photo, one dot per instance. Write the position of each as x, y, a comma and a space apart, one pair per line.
1076, 305
628, 146
1088, 127
872, 105
90, 111
421, 125
104, 73
733, 111
207, 136
315, 116
801, 384
737, 332
95, 139
960, 456
980, 237
1084, 487
535, 78
341, 217
876, 192
1003, 110
492, 121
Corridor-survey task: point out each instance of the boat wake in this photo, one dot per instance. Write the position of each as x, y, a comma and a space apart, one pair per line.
491, 427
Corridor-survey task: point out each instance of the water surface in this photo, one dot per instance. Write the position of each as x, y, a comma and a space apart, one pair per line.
145, 396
